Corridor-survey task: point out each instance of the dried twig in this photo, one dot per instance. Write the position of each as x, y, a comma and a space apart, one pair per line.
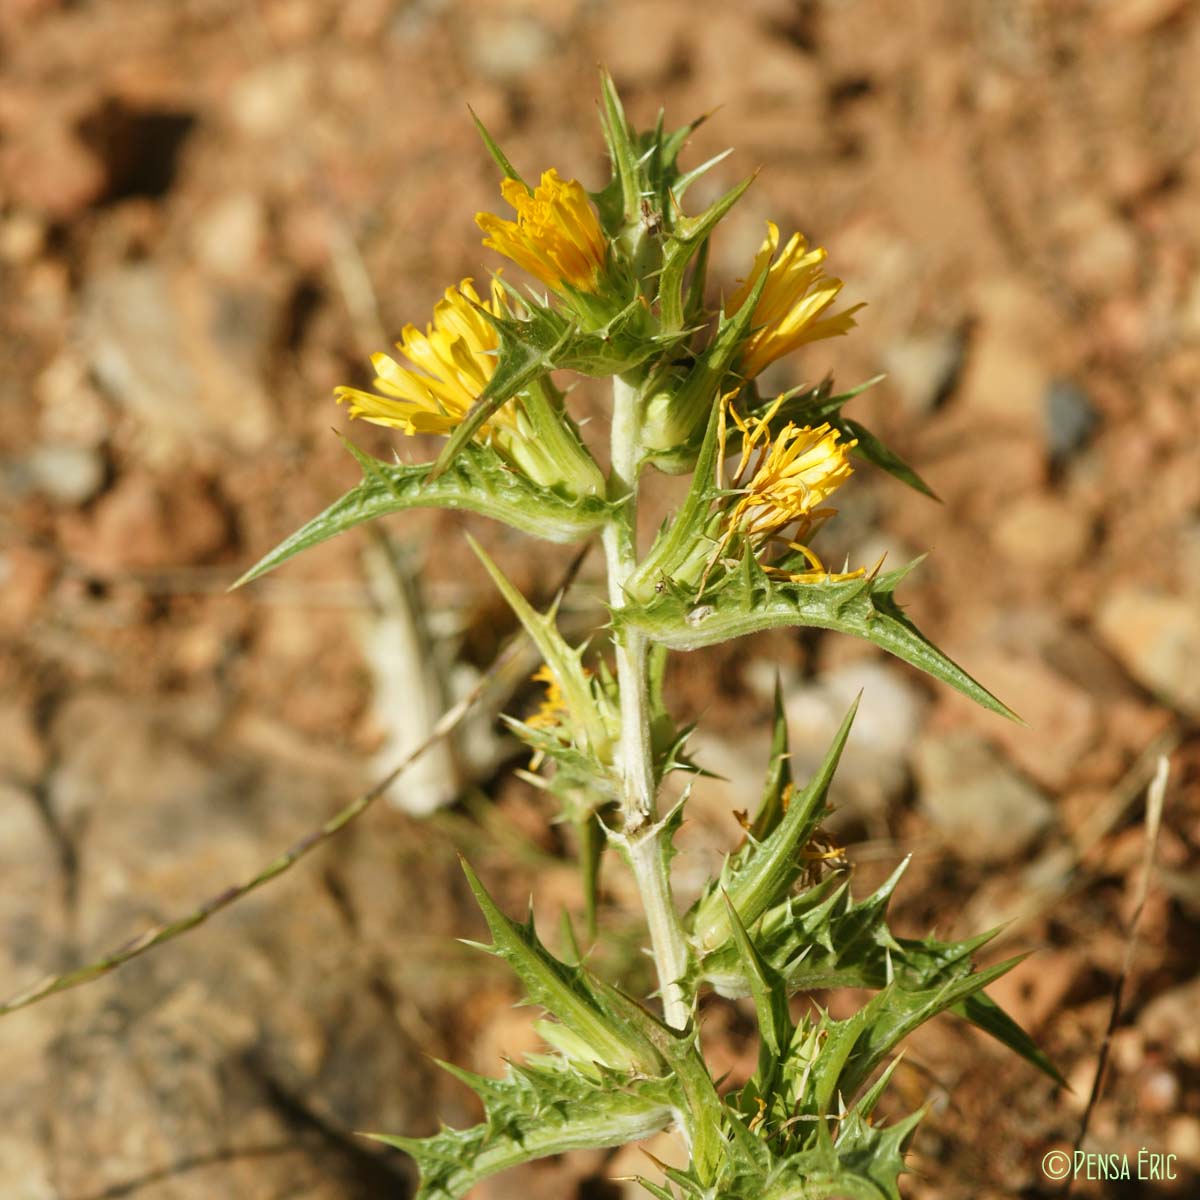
1155, 798
160, 934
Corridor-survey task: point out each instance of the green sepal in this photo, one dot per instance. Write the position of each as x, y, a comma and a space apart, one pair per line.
764, 876
565, 663
674, 420
688, 235
685, 180
588, 1007
480, 481
659, 1193
695, 309
748, 601
536, 1111
874, 451
779, 773
768, 989
528, 349
498, 155
574, 767
802, 406
619, 138
674, 142
625, 339
677, 541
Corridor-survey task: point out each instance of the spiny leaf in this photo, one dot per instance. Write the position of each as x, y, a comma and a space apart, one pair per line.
889, 1017
982, 1011
748, 601
536, 1111
583, 1004
766, 874
480, 482
769, 992
564, 662
823, 939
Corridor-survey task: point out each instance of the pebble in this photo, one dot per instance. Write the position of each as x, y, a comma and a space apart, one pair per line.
923, 368
22, 754
1157, 637
1069, 417
263, 103
1159, 1091
71, 410
1042, 531
228, 239
50, 172
22, 236
67, 475
1099, 250
1132, 17
26, 575
505, 48
1169, 1021
184, 357
982, 807
1005, 372
141, 524
1183, 1138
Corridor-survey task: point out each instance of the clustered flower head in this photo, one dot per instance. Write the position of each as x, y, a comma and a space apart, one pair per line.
782, 483
553, 707
452, 362
556, 237
789, 311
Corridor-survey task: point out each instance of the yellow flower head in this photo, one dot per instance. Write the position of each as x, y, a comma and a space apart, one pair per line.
788, 312
556, 236
452, 362
553, 709
783, 483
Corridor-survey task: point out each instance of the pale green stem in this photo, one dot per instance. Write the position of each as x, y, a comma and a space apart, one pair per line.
641, 830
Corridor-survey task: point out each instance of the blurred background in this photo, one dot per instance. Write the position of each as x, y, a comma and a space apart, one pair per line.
211, 212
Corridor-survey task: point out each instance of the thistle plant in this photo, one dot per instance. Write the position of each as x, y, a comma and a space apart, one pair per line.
622, 294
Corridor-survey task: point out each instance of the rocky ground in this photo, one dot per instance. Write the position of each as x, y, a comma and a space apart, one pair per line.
211, 212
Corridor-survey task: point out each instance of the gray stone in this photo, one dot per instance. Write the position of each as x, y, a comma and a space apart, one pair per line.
977, 802
1070, 418
505, 48
923, 368
181, 356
